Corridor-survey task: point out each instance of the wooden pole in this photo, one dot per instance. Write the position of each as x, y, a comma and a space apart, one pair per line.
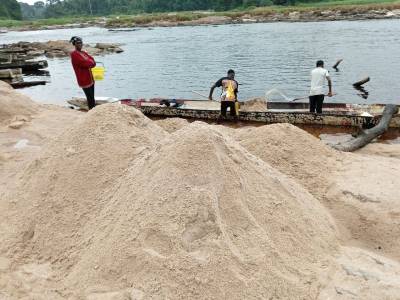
361, 82
204, 96
336, 65
370, 134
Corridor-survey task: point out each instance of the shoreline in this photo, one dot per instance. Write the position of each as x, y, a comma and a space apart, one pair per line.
258, 15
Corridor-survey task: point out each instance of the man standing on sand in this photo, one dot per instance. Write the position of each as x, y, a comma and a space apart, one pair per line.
82, 64
229, 93
318, 77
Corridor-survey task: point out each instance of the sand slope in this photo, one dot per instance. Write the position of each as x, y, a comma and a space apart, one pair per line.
14, 105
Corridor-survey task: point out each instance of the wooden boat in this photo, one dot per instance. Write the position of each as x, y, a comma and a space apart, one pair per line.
25, 65
335, 114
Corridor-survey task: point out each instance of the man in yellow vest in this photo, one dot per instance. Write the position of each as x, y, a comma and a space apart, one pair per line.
229, 93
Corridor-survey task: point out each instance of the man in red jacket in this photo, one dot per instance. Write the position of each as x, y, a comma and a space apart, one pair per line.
82, 64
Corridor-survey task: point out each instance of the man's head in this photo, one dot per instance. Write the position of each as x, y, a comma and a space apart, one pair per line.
77, 42
320, 64
231, 74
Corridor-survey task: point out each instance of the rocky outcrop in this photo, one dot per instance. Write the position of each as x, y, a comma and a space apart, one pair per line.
53, 49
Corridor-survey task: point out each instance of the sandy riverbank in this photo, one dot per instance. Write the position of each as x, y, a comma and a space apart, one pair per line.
112, 205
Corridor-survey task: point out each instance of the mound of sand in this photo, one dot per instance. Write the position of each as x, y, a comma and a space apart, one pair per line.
14, 106
172, 124
121, 207
294, 152
195, 217
255, 104
362, 199
202, 218
60, 188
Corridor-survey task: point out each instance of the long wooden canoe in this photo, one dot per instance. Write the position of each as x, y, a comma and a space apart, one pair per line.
335, 114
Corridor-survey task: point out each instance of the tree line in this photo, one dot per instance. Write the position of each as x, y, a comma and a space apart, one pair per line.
10, 9
57, 8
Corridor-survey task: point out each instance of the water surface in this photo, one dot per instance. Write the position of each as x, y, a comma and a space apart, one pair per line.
171, 62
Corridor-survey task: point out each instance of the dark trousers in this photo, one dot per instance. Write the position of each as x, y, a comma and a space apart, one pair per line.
316, 103
89, 92
224, 108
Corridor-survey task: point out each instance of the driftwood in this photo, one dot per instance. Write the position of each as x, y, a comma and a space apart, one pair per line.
370, 134
361, 82
336, 65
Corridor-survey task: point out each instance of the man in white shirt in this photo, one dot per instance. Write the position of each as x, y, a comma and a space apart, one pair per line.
318, 77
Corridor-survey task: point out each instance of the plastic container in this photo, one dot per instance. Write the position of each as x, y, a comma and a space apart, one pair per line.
98, 72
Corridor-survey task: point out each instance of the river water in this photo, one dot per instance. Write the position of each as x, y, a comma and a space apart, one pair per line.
172, 62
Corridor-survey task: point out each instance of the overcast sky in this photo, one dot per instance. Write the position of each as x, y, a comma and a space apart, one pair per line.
29, 1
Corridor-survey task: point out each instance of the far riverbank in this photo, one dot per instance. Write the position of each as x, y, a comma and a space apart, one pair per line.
318, 12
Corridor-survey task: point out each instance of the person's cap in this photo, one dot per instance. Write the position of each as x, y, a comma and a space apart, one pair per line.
75, 39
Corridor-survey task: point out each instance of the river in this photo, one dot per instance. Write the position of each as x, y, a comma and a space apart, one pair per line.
172, 62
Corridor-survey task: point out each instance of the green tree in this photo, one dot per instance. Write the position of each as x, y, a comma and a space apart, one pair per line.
10, 9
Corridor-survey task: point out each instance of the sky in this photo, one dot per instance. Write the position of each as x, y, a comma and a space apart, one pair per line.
28, 1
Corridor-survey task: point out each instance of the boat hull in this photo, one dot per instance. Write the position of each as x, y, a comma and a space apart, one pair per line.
335, 114
303, 118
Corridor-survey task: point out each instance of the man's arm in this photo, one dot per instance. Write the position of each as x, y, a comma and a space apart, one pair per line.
215, 85
212, 91
330, 93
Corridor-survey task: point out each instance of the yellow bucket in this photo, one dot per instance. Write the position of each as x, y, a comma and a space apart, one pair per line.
98, 72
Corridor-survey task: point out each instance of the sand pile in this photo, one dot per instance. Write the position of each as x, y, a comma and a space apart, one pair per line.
255, 104
65, 183
202, 218
195, 217
294, 152
14, 107
121, 207
363, 200
172, 124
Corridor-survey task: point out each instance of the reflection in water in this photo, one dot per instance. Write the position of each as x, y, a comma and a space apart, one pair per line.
363, 92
